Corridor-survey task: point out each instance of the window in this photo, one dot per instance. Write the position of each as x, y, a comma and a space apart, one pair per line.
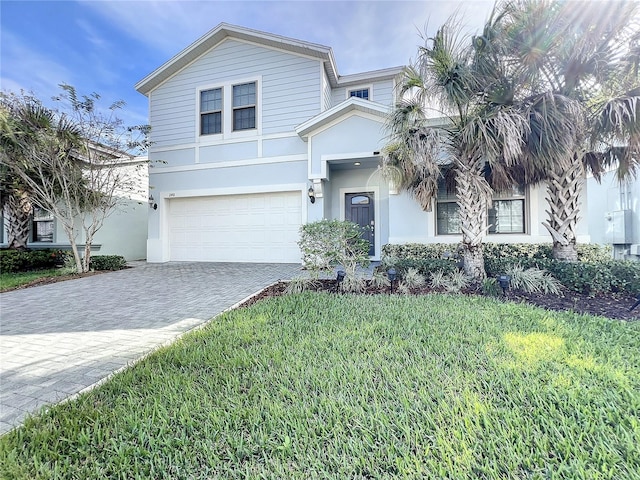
447, 218
42, 225
505, 215
211, 111
361, 93
244, 106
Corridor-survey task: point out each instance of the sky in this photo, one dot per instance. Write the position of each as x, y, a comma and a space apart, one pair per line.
108, 46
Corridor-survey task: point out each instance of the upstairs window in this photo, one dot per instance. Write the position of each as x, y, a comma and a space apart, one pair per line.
211, 111
42, 225
244, 106
361, 93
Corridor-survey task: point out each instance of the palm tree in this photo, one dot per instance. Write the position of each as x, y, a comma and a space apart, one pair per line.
15, 198
575, 66
477, 130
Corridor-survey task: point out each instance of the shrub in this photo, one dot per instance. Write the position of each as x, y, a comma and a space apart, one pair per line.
328, 243
420, 251
423, 266
12, 261
533, 279
594, 273
107, 262
413, 279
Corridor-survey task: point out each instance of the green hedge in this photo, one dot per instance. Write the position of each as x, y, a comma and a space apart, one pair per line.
107, 262
594, 273
417, 251
12, 261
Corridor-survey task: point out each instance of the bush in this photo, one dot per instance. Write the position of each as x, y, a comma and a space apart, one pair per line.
594, 273
328, 243
107, 262
12, 261
420, 251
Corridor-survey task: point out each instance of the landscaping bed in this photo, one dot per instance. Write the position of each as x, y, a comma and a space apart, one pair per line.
615, 306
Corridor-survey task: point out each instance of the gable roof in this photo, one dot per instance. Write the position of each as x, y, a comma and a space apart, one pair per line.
349, 105
225, 30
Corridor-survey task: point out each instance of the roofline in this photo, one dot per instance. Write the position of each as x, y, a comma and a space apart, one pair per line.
382, 74
351, 104
225, 30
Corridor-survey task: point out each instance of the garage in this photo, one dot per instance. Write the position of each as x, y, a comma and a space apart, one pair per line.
257, 227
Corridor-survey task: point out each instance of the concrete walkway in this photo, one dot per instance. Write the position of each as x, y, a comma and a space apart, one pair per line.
59, 339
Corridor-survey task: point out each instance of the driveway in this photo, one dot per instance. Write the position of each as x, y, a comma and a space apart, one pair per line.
59, 339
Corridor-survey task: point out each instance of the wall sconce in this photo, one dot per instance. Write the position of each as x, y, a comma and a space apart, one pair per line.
391, 275
152, 203
504, 281
312, 194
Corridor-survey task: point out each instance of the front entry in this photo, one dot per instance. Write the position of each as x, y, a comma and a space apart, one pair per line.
359, 209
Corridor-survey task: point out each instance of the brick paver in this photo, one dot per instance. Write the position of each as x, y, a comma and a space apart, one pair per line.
59, 339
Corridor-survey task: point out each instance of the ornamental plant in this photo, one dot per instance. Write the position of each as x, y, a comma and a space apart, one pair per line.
329, 243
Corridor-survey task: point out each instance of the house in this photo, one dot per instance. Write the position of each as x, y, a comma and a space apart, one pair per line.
254, 134
614, 214
124, 232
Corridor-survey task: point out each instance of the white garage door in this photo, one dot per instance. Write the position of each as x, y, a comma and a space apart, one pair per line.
259, 227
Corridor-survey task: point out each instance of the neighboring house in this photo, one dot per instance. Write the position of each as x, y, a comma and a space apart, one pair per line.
124, 232
614, 214
254, 134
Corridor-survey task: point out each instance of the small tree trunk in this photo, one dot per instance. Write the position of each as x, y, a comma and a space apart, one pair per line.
563, 198
17, 213
472, 192
86, 261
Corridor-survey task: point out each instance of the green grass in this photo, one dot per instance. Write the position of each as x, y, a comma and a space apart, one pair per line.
14, 280
328, 386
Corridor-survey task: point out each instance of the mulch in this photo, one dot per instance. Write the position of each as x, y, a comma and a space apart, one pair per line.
614, 306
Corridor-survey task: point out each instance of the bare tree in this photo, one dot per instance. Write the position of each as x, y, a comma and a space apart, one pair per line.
78, 162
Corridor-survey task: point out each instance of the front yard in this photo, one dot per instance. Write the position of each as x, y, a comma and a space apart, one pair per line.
338, 386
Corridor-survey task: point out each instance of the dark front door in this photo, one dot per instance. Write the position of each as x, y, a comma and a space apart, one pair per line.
359, 209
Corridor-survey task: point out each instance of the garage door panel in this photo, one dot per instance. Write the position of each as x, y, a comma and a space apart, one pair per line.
236, 228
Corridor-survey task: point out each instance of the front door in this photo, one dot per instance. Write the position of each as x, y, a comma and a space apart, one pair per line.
359, 209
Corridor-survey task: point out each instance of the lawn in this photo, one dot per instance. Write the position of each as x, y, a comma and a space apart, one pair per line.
10, 281
337, 386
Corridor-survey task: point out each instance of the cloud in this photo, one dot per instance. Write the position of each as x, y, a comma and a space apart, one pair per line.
364, 35
25, 69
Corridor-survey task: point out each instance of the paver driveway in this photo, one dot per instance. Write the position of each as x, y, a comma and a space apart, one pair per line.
58, 339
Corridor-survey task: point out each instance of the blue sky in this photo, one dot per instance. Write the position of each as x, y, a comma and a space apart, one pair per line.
108, 46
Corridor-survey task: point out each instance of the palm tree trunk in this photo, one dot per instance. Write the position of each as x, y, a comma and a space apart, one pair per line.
17, 211
563, 197
472, 192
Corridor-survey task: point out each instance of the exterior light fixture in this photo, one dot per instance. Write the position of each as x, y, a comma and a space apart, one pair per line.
312, 194
339, 278
391, 275
504, 281
357, 164
152, 203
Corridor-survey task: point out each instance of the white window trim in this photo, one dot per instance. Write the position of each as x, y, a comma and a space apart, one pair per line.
200, 113
526, 219
227, 111
348, 91
32, 234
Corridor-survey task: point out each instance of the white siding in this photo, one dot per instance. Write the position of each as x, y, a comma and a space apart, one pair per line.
290, 87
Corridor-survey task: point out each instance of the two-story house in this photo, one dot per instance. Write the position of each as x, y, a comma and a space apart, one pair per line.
255, 134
